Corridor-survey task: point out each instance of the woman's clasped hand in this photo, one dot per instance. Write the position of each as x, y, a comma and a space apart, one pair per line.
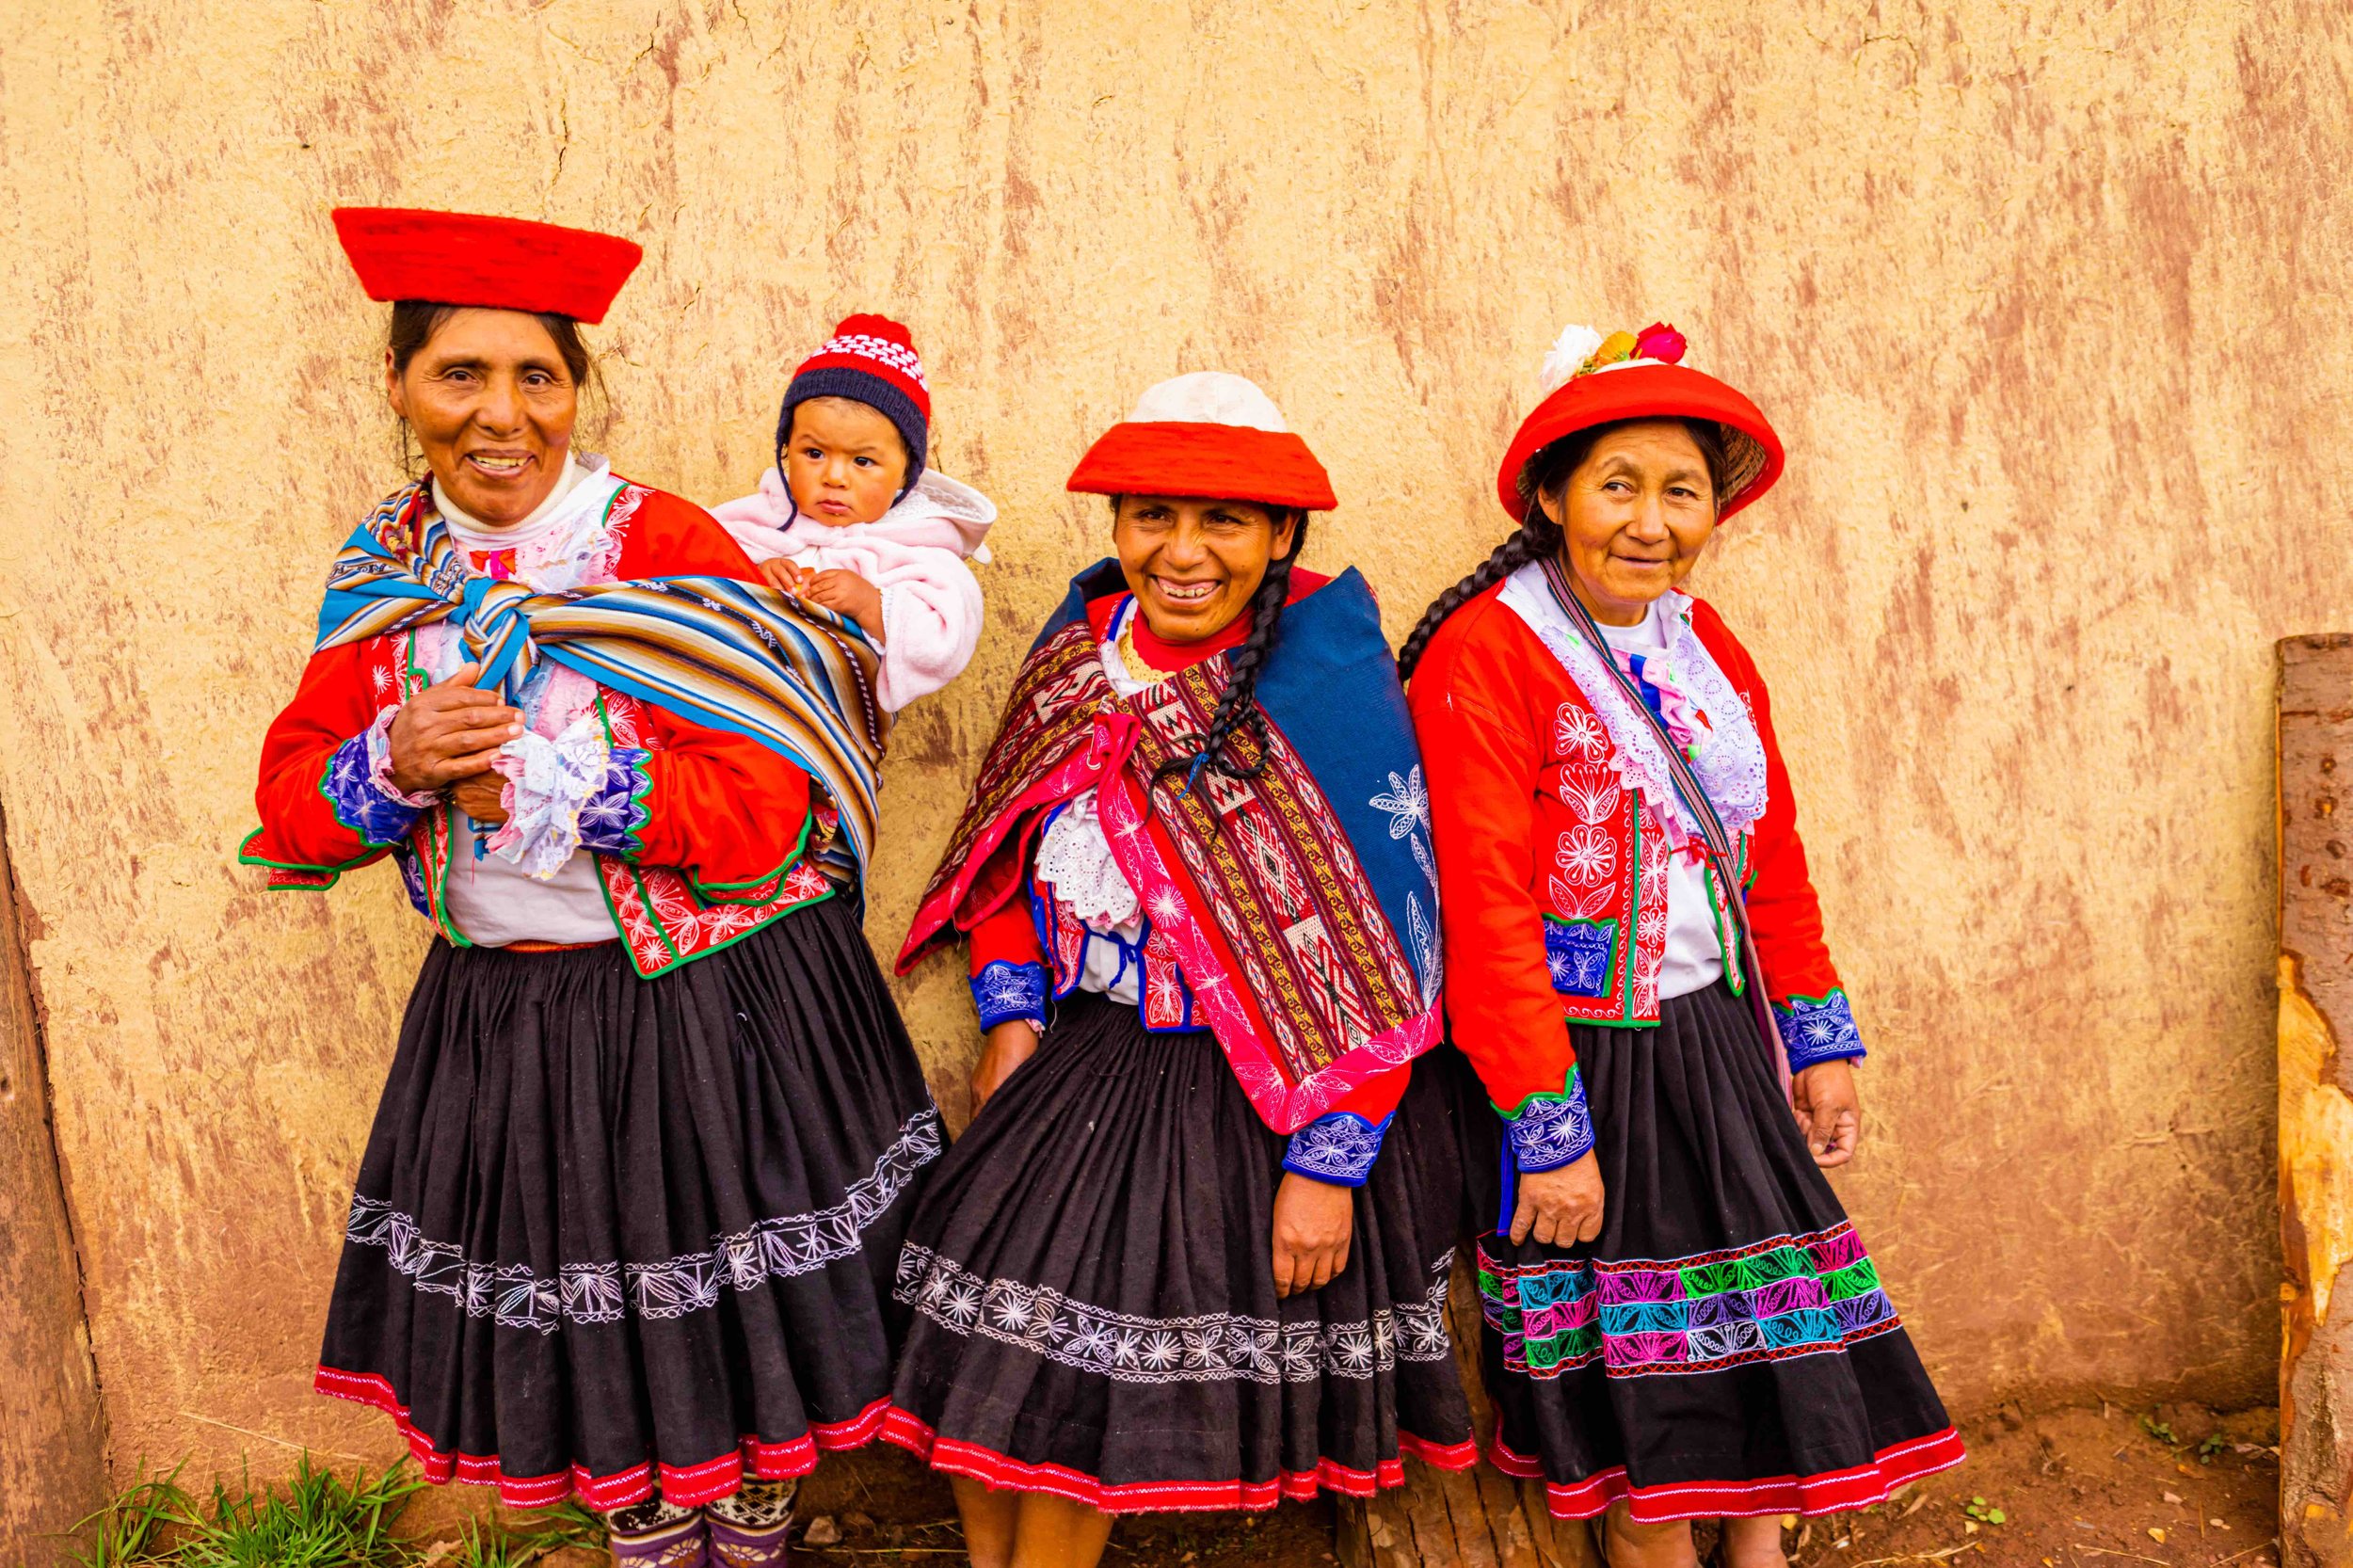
446, 738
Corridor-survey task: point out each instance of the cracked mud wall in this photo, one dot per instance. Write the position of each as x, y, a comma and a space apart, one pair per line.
2047, 301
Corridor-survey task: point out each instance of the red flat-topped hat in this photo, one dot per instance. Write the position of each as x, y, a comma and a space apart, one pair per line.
1209, 435
502, 263
1597, 380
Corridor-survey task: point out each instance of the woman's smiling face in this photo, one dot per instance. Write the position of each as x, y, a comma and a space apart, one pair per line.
1193, 563
492, 405
1635, 516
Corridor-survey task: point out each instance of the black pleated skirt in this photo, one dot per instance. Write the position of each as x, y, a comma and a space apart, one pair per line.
1091, 1287
1725, 1347
612, 1233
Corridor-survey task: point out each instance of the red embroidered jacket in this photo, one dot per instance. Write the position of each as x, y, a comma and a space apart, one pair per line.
703, 830
1553, 877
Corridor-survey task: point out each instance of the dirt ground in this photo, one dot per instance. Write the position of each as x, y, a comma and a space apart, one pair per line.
2100, 1487
2103, 1487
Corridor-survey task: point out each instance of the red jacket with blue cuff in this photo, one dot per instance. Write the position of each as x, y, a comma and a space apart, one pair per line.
697, 832
1553, 874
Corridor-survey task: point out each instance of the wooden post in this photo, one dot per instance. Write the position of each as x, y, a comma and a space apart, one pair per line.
1479, 1518
2315, 1102
52, 1450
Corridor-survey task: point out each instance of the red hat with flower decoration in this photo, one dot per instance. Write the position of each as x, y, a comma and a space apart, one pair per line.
1596, 380
501, 263
1210, 435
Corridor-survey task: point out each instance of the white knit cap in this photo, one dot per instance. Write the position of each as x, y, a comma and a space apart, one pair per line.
1209, 397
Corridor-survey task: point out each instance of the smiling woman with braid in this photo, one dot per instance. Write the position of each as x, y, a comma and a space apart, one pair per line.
1681, 1322
1191, 1251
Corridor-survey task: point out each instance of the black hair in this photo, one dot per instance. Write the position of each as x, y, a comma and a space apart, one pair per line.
1238, 704
1538, 535
416, 321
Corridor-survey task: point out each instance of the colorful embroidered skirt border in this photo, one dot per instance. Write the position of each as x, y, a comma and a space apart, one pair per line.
1726, 1346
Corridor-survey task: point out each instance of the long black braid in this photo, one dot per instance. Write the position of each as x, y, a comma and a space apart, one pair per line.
1539, 536
1238, 704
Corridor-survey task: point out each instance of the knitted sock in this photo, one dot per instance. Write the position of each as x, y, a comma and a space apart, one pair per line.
748, 1527
656, 1534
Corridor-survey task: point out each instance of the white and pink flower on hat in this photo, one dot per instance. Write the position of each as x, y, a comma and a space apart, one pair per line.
1581, 351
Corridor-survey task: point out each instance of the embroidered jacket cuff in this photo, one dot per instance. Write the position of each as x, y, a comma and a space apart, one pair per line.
1818, 1030
1339, 1148
1004, 992
1551, 1131
613, 818
358, 785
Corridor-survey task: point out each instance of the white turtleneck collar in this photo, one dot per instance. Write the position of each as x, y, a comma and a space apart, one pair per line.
477, 534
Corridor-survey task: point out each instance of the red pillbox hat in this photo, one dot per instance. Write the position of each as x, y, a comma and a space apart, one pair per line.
504, 264
1211, 435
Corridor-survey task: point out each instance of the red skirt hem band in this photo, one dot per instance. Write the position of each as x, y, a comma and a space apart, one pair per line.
1831, 1492
996, 1471
689, 1486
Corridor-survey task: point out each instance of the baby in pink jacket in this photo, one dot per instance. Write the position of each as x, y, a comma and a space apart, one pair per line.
852, 519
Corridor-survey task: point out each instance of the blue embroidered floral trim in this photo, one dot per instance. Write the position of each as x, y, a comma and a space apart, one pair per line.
1818, 1030
1339, 1148
413, 878
1004, 992
1580, 956
612, 820
1551, 1131
359, 805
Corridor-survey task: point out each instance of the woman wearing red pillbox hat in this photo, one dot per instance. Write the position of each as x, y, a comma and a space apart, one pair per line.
1681, 1322
1191, 1251
624, 1225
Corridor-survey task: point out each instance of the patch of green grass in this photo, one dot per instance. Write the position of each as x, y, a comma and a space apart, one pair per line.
131, 1526
318, 1519
567, 1523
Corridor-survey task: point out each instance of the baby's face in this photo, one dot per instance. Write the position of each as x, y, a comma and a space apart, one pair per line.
843, 461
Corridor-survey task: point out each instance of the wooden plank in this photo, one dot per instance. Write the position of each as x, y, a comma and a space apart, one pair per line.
2316, 803
1478, 1519
53, 1449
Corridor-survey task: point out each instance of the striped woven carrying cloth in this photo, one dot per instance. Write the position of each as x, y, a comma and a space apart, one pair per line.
715, 652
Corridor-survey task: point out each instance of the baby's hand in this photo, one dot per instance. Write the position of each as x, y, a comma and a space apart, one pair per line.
847, 593
784, 576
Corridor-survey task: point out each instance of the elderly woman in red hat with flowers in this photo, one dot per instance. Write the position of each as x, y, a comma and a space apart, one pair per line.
1191, 1251
1680, 1321
624, 1225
